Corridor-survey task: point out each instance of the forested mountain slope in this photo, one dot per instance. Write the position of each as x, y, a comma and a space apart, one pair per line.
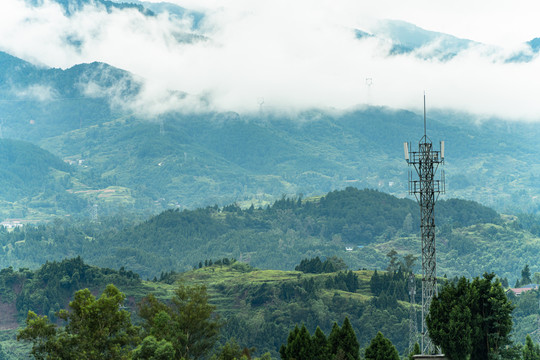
470, 240
191, 160
34, 182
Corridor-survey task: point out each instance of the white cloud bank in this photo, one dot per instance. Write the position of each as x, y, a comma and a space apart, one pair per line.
293, 54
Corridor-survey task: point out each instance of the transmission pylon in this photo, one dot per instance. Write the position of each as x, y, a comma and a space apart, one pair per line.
94, 212
426, 190
413, 326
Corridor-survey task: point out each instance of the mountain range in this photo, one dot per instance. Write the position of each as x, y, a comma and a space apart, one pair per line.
121, 160
118, 159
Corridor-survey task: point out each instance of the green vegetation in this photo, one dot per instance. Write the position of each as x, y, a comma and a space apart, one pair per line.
186, 324
94, 330
131, 168
340, 344
370, 222
48, 289
256, 309
531, 351
220, 158
316, 266
34, 183
381, 348
471, 320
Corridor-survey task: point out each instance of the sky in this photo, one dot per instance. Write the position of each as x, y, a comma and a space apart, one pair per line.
293, 55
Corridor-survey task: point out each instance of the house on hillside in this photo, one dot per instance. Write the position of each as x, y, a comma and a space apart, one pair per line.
11, 224
520, 290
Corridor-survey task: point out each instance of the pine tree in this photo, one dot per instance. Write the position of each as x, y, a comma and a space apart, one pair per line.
381, 348
531, 351
525, 276
321, 348
449, 320
299, 346
349, 342
344, 339
334, 338
471, 319
415, 351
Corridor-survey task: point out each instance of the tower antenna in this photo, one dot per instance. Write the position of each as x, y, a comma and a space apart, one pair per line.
426, 190
260, 101
369, 84
425, 131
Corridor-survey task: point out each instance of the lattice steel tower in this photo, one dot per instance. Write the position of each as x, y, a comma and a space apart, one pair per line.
426, 190
413, 326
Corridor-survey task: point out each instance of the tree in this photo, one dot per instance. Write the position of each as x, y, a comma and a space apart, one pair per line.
298, 346
416, 351
491, 317
525, 276
188, 322
348, 341
151, 349
381, 348
341, 344
531, 351
333, 338
321, 350
393, 262
343, 340
471, 319
449, 320
232, 351
408, 263
95, 329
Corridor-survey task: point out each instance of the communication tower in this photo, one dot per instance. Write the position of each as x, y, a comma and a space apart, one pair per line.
260, 101
94, 212
426, 190
369, 84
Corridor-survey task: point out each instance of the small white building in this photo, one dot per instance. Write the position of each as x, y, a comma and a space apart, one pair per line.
11, 224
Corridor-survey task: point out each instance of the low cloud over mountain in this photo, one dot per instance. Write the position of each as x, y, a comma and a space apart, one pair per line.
241, 55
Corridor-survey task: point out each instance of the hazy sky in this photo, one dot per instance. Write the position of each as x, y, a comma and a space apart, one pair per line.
294, 54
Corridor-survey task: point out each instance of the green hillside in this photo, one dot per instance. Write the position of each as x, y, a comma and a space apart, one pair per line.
256, 307
470, 240
34, 183
198, 160
206, 158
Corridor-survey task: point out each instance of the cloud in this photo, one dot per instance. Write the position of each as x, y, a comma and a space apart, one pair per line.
37, 92
294, 55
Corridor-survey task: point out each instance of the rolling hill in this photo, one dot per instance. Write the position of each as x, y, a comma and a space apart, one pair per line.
470, 236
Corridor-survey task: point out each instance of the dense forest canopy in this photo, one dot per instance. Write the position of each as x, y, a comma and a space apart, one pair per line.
368, 221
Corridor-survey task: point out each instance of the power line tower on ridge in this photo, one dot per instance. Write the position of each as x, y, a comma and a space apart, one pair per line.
426, 190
